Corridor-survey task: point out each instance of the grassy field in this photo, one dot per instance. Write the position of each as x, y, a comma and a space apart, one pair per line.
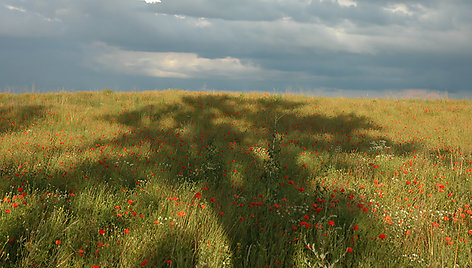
182, 179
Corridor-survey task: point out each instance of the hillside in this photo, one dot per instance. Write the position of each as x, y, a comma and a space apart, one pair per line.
233, 179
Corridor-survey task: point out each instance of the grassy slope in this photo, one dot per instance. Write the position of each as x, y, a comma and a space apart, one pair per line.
197, 179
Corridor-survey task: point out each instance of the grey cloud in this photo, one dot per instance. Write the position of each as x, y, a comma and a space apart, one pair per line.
366, 12
310, 44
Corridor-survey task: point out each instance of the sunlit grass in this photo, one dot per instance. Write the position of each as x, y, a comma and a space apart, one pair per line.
223, 179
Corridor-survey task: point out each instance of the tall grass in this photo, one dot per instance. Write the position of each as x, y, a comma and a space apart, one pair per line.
184, 179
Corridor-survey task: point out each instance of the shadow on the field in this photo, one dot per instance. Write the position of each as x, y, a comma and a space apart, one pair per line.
18, 117
257, 157
251, 149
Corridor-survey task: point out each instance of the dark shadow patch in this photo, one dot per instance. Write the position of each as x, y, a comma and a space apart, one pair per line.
18, 117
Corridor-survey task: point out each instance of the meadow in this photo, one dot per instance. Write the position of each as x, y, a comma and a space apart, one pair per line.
194, 179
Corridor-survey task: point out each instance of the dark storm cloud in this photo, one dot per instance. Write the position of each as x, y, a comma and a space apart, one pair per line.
237, 45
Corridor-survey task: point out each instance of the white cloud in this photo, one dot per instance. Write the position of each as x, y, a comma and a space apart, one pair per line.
290, 34
202, 22
401, 9
14, 8
26, 21
343, 3
347, 3
172, 64
152, 1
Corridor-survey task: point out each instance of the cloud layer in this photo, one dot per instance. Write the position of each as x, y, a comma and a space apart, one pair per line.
173, 64
237, 45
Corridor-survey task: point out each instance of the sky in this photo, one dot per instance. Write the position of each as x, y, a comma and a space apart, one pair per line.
351, 48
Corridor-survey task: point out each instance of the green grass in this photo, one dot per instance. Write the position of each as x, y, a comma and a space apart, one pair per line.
184, 179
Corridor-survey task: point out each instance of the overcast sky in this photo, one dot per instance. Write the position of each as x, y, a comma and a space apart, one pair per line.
337, 47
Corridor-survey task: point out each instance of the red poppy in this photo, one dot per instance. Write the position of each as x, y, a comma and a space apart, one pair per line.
331, 223
102, 232
382, 236
349, 250
144, 262
126, 231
